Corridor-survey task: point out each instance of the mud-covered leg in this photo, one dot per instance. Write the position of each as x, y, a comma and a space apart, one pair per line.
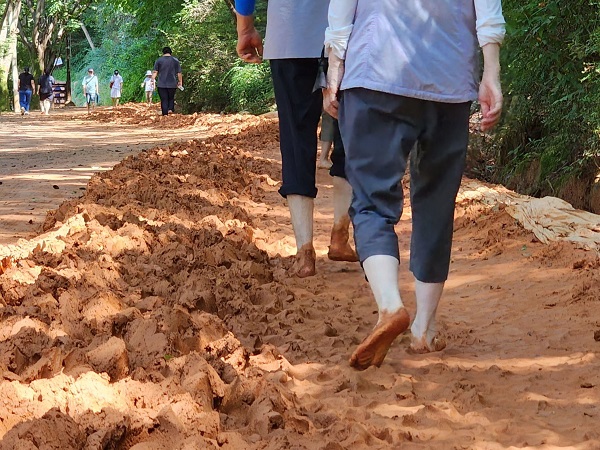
382, 273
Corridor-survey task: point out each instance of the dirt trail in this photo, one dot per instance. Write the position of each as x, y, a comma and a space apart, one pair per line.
156, 313
45, 160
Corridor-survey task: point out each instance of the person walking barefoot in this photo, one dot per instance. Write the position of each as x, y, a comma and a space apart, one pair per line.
293, 44
394, 104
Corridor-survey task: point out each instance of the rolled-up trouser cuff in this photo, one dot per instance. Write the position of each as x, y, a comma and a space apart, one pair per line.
299, 110
304, 191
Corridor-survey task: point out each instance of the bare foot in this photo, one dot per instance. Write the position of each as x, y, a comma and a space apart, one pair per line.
324, 164
424, 345
339, 249
342, 253
305, 262
372, 351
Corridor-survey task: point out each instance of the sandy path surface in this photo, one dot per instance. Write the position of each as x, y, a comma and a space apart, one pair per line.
157, 313
45, 160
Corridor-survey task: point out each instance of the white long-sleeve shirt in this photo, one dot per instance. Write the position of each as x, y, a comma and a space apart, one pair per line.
490, 24
424, 49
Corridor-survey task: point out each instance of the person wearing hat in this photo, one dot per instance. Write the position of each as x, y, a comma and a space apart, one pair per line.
90, 89
148, 85
116, 83
26, 88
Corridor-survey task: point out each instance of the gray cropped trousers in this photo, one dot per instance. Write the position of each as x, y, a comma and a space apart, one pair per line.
380, 131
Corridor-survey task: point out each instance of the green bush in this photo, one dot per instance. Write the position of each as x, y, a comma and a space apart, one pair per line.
552, 84
215, 79
251, 89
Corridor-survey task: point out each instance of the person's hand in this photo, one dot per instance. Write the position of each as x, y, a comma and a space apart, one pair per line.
249, 46
490, 91
335, 73
490, 99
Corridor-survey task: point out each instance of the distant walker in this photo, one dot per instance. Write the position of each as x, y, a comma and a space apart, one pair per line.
168, 70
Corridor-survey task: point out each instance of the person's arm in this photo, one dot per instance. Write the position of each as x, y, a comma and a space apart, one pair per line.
490, 34
155, 69
490, 22
490, 91
249, 46
179, 75
341, 22
32, 85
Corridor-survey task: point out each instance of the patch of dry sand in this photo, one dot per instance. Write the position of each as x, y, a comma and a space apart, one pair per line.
47, 159
157, 313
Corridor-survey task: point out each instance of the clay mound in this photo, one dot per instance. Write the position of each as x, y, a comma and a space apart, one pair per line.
156, 312
150, 258
150, 116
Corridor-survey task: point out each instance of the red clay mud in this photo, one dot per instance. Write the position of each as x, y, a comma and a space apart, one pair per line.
157, 311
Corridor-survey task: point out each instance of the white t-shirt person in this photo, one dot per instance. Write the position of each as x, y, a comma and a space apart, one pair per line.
90, 88
116, 85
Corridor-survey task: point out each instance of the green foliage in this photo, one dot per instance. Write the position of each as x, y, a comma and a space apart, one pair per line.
251, 89
550, 59
204, 42
149, 14
130, 35
44, 24
214, 78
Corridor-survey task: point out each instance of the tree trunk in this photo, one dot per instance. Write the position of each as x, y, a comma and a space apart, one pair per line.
68, 100
15, 77
8, 49
231, 6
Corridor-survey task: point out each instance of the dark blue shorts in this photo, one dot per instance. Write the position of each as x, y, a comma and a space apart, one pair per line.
89, 98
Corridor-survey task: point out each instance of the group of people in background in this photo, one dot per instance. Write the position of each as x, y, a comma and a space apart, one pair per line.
169, 80
166, 78
44, 89
91, 88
